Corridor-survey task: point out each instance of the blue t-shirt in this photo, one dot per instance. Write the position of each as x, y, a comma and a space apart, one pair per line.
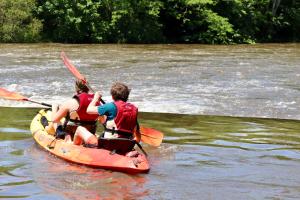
108, 109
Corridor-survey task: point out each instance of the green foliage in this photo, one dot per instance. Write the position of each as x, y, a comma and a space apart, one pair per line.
199, 2
257, 21
150, 21
73, 21
219, 30
17, 23
286, 22
249, 18
196, 22
136, 21
133, 21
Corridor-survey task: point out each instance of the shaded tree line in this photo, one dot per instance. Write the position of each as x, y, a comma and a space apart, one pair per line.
150, 21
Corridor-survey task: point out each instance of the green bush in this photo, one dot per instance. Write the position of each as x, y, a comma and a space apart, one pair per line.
133, 21
150, 21
193, 21
17, 23
136, 21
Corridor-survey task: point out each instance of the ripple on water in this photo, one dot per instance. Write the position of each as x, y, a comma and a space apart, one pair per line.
245, 146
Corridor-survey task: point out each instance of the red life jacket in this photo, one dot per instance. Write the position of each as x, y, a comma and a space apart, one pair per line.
84, 99
126, 119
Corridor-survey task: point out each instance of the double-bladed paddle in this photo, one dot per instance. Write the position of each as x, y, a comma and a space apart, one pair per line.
148, 135
18, 97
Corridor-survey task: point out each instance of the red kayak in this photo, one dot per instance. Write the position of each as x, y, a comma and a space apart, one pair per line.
131, 162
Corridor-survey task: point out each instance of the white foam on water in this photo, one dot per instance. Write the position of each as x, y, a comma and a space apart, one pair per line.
196, 79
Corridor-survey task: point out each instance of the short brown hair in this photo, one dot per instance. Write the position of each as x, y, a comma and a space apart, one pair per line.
119, 91
80, 87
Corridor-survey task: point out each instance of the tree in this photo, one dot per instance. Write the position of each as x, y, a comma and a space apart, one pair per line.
194, 21
275, 6
17, 23
131, 21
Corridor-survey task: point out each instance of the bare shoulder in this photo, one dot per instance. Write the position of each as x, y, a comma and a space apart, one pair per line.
70, 104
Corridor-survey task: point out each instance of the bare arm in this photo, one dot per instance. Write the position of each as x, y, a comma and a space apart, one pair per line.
92, 108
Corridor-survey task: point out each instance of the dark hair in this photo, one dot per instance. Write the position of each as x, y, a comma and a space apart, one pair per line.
119, 91
80, 87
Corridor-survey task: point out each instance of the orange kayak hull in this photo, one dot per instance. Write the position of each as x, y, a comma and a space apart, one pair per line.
99, 158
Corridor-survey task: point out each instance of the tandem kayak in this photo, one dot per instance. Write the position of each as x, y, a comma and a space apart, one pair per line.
132, 162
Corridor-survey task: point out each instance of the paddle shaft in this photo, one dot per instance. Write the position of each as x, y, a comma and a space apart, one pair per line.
41, 103
90, 88
140, 146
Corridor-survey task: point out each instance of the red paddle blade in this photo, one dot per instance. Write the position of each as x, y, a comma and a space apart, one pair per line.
11, 95
151, 136
72, 68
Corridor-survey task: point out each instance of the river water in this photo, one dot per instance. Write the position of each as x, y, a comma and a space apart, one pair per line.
243, 80
229, 115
